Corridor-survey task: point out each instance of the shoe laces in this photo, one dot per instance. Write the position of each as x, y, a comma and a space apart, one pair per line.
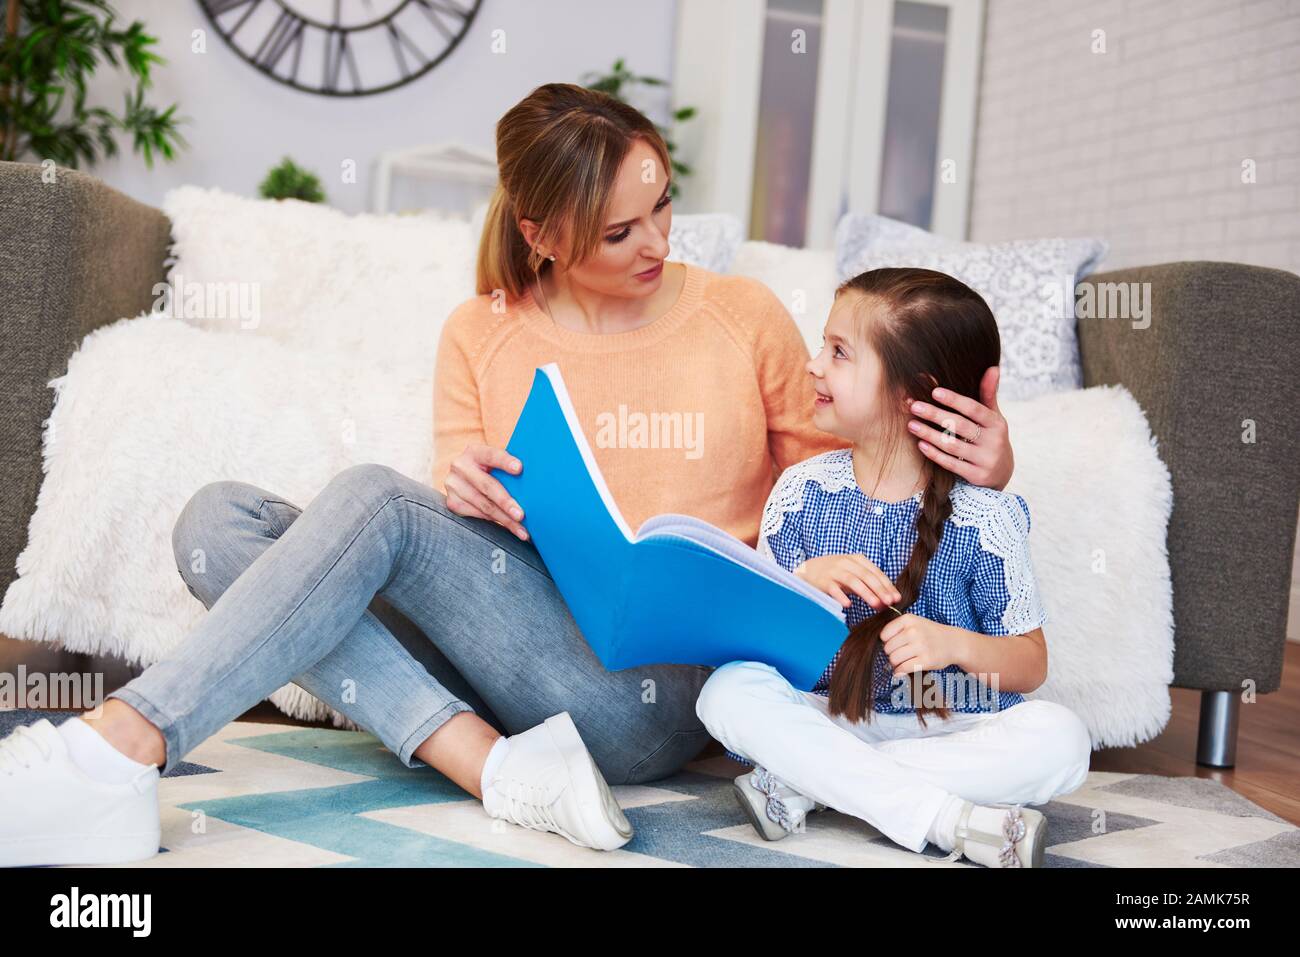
525, 803
776, 808
21, 749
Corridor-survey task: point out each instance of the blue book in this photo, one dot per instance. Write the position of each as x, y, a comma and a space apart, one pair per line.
677, 590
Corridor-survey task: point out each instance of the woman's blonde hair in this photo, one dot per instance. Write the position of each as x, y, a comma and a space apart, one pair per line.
559, 150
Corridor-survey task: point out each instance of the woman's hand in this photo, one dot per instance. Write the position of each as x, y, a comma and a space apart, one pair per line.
972, 439
914, 643
838, 574
474, 492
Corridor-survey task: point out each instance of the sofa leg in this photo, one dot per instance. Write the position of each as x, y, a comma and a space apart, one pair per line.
1216, 742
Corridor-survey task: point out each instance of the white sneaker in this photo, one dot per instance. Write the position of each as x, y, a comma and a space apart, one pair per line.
775, 809
548, 782
53, 813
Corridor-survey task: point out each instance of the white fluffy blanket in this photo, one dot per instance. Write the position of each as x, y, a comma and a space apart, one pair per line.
1099, 501
150, 410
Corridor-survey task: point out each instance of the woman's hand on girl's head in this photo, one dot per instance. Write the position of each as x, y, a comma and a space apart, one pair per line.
972, 439
839, 574
474, 492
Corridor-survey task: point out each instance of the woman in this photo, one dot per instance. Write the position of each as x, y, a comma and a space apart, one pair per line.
571, 269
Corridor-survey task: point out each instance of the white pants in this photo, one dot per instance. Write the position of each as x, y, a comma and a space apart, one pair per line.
890, 771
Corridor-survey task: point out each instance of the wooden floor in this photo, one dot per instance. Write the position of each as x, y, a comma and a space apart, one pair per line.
1267, 769
1268, 744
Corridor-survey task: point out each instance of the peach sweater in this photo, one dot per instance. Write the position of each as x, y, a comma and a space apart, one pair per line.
696, 412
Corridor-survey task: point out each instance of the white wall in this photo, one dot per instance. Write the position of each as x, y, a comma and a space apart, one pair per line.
244, 122
1143, 145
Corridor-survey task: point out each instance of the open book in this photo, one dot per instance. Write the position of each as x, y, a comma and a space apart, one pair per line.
678, 590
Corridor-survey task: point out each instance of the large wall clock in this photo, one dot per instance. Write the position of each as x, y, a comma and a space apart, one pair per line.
342, 47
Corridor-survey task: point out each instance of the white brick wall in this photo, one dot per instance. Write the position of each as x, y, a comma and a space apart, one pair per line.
1143, 145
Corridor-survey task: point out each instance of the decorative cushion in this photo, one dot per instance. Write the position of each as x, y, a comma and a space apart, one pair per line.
708, 240
1028, 283
803, 279
376, 288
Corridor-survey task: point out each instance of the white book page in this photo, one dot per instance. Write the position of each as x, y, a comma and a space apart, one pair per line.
724, 543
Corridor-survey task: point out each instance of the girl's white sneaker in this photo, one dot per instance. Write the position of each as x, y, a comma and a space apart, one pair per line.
52, 812
775, 809
549, 782
1020, 842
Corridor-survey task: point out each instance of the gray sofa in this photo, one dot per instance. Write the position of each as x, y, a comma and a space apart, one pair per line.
1223, 346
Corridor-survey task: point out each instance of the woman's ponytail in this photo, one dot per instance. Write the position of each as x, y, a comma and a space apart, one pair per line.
505, 260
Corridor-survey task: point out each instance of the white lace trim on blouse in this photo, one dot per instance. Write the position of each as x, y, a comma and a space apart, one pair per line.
1004, 532
828, 470
1003, 527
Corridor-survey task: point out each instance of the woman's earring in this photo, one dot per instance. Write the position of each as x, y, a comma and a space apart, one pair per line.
551, 257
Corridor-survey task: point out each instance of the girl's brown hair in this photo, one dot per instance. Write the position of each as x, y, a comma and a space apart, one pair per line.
930, 329
558, 153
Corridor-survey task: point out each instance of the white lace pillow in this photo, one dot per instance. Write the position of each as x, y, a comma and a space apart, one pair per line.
707, 240
855, 232
1028, 283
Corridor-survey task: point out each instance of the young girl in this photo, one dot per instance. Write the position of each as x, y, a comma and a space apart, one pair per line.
918, 725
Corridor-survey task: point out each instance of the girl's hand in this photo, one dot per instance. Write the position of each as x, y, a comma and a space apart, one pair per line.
474, 492
972, 439
838, 574
914, 643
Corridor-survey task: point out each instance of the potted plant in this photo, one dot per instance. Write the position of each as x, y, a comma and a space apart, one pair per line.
49, 51
288, 180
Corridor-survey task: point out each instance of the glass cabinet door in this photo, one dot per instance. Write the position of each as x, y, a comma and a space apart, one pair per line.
783, 147
825, 106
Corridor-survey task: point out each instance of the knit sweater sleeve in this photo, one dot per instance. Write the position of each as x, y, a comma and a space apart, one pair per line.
457, 415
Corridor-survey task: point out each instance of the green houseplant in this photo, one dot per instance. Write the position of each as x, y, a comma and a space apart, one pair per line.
613, 83
49, 52
288, 180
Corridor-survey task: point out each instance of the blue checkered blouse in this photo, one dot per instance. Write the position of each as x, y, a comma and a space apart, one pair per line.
980, 578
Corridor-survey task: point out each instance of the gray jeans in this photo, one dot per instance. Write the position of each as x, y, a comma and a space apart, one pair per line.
293, 595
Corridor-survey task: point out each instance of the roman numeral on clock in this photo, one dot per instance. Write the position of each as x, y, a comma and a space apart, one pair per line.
286, 33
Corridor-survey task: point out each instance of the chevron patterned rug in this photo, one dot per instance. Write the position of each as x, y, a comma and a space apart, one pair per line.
274, 795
